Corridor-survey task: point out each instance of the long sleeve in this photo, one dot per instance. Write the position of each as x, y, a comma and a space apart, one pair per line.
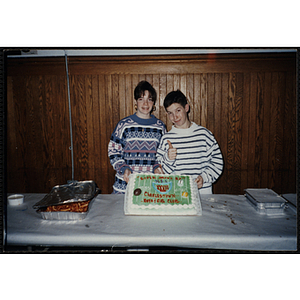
167, 165
116, 150
133, 146
214, 165
198, 153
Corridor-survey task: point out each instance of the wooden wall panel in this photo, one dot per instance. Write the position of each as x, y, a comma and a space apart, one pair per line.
247, 101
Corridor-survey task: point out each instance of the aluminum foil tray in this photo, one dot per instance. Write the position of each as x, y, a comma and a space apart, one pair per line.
74, 191
266, 201
64, 215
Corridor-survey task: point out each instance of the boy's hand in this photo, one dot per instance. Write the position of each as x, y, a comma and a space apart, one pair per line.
199, 181
172, 152
126, 175
158, 170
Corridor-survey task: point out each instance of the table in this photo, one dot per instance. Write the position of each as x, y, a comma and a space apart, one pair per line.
227, 222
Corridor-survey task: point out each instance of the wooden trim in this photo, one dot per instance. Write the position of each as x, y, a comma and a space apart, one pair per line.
153, 64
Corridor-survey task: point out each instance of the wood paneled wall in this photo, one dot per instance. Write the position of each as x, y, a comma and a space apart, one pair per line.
248, 101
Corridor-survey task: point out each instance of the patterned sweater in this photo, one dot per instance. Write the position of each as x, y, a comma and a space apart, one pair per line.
198, 153
133, 145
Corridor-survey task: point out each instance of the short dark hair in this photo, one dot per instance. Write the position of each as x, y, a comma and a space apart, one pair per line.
143, 86
175, 97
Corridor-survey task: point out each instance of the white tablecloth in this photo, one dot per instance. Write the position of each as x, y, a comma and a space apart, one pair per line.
227, 222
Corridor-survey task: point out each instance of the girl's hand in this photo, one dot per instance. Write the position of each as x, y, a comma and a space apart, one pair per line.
172, 152
126, 175
158, 170
199, 181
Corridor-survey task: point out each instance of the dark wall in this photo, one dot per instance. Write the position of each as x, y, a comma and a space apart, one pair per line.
248, 101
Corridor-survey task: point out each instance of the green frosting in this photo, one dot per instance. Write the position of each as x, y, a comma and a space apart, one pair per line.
155, 189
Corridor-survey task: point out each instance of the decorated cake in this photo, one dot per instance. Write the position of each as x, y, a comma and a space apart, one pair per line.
155, 194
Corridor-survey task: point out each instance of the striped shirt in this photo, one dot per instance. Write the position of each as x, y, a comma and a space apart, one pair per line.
198, 153
133, 146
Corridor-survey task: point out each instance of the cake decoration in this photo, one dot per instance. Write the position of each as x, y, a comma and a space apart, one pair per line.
153, 194
137, 192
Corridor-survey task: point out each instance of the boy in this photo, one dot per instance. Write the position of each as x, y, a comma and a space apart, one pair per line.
188, 148
133, 143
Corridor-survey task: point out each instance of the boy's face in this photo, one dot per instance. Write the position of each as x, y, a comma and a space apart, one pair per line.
178, 115
144, 105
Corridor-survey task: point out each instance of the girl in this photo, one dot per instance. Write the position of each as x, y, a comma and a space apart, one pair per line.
133, 144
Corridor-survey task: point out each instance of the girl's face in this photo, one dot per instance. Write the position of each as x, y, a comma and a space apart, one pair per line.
144, 105
178, 115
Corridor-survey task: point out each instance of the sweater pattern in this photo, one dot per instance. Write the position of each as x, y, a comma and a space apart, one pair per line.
133, 145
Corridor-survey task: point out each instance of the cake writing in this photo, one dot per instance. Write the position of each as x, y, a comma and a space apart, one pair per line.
161, 201
160, 198
159, 178
146, 194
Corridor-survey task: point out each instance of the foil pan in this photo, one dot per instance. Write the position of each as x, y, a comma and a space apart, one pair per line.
74, 191
64, 215
266, 201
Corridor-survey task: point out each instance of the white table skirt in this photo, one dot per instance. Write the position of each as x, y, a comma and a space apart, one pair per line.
227, 222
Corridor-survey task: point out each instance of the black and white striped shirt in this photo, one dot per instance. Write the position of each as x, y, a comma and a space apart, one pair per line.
198, 153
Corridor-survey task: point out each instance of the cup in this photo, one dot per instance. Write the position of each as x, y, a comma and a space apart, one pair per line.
16, 199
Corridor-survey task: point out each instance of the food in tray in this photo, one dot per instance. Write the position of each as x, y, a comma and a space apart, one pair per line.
153, 194
71, 207
68, 201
